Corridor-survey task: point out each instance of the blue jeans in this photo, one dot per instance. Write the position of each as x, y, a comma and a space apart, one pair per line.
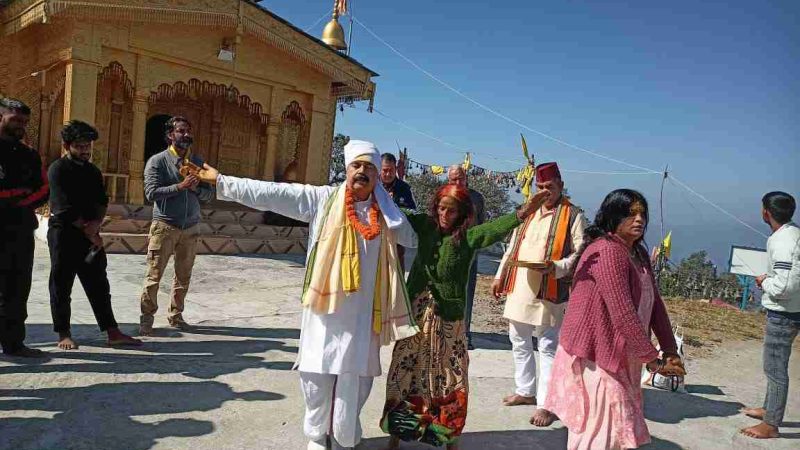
471, 281
780, 334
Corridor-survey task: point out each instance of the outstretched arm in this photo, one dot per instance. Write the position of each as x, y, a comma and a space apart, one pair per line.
296, 201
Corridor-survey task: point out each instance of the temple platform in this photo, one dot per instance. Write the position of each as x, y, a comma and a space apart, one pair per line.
223, 231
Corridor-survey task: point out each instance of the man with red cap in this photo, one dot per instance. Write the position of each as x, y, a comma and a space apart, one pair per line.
536, 296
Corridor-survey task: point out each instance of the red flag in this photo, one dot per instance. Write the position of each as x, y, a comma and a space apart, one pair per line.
341, 7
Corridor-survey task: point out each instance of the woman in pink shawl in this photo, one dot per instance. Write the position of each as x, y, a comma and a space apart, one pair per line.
595, 387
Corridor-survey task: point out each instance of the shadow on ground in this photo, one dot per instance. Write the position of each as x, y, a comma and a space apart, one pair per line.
98, 416
670, 407
491, 341
203, 359
510, 440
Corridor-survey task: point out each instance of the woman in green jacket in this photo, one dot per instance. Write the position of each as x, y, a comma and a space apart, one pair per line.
426, 386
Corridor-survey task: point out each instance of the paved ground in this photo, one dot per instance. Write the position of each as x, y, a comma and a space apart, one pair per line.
229, 384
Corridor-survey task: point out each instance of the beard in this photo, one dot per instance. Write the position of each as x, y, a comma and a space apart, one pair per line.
184, 142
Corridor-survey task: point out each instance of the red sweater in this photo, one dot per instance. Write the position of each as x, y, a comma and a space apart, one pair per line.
601, 323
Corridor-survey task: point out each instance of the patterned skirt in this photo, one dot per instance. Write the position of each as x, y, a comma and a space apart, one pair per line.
426, 387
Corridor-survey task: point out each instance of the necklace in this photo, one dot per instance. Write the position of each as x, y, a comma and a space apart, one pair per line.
368, 232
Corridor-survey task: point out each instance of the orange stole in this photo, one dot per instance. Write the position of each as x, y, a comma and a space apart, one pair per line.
556, 239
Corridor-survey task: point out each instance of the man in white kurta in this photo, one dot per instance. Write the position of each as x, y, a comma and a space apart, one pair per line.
339, 351
529, 314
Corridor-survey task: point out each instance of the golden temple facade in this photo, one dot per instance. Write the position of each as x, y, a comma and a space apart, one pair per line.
261, 94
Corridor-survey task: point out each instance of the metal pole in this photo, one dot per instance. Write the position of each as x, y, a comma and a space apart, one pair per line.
350, 33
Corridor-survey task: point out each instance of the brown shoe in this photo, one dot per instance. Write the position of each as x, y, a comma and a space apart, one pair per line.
516, 399
145, 330
181, 325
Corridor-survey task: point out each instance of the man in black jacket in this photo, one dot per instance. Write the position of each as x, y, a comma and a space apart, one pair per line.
23, 188
78, 204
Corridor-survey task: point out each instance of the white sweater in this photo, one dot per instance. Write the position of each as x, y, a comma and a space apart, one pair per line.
782, 285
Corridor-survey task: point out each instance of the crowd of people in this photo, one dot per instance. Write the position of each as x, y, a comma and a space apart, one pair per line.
584, 293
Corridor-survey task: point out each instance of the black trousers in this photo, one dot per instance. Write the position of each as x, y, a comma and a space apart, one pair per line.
16, 268
68, 250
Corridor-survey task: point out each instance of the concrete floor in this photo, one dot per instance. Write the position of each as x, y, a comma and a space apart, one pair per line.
228, 385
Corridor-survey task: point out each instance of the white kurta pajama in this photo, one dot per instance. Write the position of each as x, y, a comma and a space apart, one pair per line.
339, 352
530, 316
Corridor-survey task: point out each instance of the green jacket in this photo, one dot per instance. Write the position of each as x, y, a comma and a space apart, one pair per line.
443, 267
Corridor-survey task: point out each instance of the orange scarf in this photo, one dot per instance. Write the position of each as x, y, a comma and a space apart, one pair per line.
556, 240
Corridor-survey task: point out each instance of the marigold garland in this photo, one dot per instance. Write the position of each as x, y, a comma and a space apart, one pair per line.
368, 232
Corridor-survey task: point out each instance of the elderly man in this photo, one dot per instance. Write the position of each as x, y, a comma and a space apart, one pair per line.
781, 299
23, 188
536, 298
458, 176
354, 298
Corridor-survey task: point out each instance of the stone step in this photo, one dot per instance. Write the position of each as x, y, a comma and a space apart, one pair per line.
210, 245
255, 231
209, 215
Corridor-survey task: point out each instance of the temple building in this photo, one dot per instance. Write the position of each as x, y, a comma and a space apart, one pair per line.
262, 94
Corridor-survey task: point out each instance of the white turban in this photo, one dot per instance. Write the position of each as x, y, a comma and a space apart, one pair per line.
363, 151
367, 151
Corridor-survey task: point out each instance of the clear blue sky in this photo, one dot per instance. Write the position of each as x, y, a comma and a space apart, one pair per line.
710, 88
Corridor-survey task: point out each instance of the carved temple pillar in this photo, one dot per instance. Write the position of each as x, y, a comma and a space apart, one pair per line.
44, 129
273, 130
80, 91
320, 141
136, 161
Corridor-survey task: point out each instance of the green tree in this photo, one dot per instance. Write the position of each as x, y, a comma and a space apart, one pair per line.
338, 172
496, 198
696, 278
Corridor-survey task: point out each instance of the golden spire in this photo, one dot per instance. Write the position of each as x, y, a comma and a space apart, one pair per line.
333, 34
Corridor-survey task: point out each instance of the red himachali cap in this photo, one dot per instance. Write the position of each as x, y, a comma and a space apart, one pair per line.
546, 172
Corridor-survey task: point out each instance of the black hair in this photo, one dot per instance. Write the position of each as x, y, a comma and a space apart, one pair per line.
173, 122
388, 157
616, 207
13, 105
76, 130
780, 205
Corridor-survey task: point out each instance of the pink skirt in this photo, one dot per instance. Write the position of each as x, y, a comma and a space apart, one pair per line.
601, 410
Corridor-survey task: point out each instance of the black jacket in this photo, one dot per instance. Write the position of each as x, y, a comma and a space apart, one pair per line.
23, 186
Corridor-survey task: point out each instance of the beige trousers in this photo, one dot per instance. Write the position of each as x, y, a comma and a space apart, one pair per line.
165, 241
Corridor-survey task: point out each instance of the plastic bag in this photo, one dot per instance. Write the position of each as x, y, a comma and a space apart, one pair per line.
674, 383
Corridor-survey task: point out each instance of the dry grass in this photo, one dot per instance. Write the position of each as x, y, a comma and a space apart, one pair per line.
704, 326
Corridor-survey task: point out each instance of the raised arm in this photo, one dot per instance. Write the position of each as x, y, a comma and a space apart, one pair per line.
296, 201
496, 230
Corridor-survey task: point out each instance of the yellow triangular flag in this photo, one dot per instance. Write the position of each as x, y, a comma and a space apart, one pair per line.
467, 161
667, 245
437, 170
524, 148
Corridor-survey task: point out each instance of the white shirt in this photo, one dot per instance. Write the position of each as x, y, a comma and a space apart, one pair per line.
782, 285
341, 342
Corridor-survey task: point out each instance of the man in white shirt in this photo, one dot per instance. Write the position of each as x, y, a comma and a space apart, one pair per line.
536, 298
354, 296
781, 299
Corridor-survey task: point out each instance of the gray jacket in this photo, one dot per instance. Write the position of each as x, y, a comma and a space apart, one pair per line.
178, 208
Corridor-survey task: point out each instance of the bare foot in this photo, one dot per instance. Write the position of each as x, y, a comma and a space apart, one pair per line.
145, 330
542, 418
181, 325
755, 413
65, 342
116, 337
761, 431
394, 443
516, 399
